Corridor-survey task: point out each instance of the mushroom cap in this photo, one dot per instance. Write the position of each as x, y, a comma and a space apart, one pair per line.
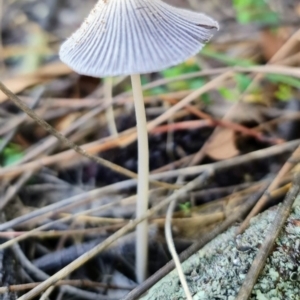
123, 37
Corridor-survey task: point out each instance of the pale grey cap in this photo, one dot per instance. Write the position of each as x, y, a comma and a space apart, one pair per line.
123, 37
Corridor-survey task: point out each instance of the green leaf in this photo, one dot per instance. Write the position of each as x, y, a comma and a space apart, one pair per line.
257, 11
284, 92
11, 154
206, 99
243, 81
292, 81
12, 159
185, 207
156, 91
229, 94
196, 83
230, 61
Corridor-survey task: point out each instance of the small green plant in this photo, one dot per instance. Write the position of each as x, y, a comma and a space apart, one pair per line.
11, 154
231, 95
288, 80
284, 92
259, 11
185, 208
286, 86
179, 85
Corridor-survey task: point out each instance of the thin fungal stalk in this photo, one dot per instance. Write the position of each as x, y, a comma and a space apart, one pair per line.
125, 37
143, 179
109, 112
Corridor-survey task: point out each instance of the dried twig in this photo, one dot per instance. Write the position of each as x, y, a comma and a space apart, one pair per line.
14, 189
266, 69
90, 254
77, 283
260, 259
233, 126
294, 159
69, 143
40, 275
172, 249
190, 171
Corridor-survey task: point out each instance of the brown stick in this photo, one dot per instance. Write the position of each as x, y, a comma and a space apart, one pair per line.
294, 159
260, 259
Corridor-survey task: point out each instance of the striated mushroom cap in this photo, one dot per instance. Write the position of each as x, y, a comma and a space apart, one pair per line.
123, 37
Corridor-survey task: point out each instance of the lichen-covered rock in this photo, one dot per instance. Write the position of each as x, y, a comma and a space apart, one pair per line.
218, 270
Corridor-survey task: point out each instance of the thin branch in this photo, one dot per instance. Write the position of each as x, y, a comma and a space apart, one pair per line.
67, 142
190, 171
77, 283
47, 293
294, 159
37, 273
267, 69
14, 189
74, 201
96, 250
261, 257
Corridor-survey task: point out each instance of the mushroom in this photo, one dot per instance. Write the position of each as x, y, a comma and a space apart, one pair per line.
133, 37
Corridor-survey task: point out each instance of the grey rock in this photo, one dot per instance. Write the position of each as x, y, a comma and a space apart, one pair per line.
218, 270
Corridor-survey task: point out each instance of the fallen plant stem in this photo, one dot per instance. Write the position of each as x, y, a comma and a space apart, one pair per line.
61, 137
64, 205
234, 126
264, 251
280, 54
172, 250
54, 208
69, 143
96, 250
214, 140
40, 229
232, 162
94, 147
267, 69
51, 141
187, 100
86, 197
77, 283
47, 293
14, 189
186, 125
286, 48
293, 160
40, 275
171, 245
53, 234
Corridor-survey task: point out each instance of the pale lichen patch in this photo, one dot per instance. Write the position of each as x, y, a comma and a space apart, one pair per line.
218, 270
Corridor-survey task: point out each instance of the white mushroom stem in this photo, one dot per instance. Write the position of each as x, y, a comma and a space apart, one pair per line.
122, 37
143, 179
109, 112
